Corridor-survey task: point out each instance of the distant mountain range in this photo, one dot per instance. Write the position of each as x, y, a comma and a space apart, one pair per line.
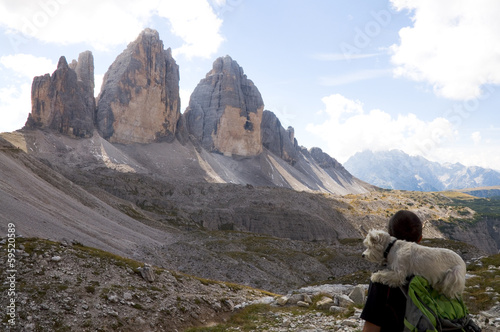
397, 170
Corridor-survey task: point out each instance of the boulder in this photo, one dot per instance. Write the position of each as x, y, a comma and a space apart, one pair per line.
65, 102
325, 303
337, 310
344, 301
147, 273
139, 100
225, 111
357, 295
283, 300
294, 298
302, 304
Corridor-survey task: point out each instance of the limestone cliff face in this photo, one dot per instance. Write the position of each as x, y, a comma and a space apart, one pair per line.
276, 139
225, 111
65, 101
139, 100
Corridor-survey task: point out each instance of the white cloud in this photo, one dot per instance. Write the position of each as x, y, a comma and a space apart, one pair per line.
486, 156
27, 65
453, 45
476, 137
219, 3
15, 105
196, 23
15, 96
106, 23
350, 129
99, 23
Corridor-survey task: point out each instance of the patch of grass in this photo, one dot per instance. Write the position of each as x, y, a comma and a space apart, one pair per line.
458, 195
138, 306
112, 258
59, 326
131, 212
485, 207
324, 255
247, 319
35, 245
90, 289
232, 286
456, 246
62, 287
483, 289
254, 317
350, 241
208, 282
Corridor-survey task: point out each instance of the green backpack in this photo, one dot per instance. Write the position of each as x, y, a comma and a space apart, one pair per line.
429, 311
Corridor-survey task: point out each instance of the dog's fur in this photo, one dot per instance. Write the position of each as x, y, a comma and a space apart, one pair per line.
443, 268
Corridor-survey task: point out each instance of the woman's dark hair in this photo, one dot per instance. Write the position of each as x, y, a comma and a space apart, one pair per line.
405, 225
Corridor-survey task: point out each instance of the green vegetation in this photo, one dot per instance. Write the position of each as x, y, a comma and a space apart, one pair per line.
484, 207
253, 317
109, 257
482, 290
456, 246
351, 241
246, 319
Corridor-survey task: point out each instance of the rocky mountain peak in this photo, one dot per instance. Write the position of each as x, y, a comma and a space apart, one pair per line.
277, 139
84, 69
225, 111
65, 101
139, 101
323, 159
62, 63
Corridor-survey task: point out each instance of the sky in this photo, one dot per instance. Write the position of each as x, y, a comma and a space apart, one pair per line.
421, 76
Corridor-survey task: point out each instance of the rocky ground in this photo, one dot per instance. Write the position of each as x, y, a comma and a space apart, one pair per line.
69, 287
283, 321
337, 308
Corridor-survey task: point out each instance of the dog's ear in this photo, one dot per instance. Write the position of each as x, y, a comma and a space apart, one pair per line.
376, 236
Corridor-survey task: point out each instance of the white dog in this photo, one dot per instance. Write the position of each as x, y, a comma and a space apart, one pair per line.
443, 268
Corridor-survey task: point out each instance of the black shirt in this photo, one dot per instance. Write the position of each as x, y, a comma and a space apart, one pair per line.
385, 307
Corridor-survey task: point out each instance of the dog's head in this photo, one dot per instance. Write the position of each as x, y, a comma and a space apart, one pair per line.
376, 242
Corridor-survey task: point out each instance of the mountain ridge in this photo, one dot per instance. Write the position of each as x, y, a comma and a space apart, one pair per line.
395, 169
225, 127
